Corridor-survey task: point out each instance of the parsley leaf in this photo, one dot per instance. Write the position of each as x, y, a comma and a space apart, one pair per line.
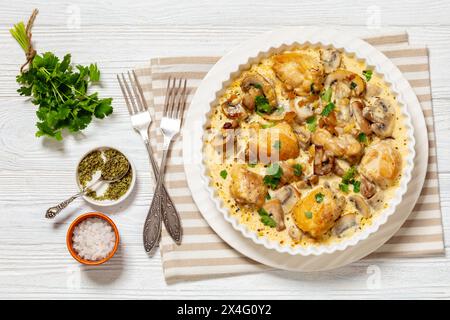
328, 109
262, 105
362, 137
368, 74
356, 186
224, 174
266, 219
308, 214
343, 187
349, 175
297, 169
273, 175
311, 123
353, 85
60, 92
268, 125
319, 197
326, 95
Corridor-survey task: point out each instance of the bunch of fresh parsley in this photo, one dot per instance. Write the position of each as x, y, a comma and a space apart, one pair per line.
60, 91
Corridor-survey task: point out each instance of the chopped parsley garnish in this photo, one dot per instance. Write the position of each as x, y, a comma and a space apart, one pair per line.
343, 187
349, 175
266, 219
268, 125
308, 214
319, 197
262, 105
257, 86
297, 169
311, 123
273, 175
328, 109
356, 186
362, 137
368, 74
348, 179
252, 165
326, 96
277, 144
353, 85
268, 197
224, 174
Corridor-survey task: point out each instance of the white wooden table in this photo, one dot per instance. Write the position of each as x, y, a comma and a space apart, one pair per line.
119, 35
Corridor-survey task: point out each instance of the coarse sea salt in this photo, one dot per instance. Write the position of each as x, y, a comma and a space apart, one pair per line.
93, 239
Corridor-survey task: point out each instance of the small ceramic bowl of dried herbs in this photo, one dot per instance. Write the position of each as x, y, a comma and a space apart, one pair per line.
97, 162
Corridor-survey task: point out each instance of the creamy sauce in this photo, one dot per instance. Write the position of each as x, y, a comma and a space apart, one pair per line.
247, 214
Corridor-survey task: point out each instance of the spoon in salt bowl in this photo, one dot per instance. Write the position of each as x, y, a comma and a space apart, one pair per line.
107, 175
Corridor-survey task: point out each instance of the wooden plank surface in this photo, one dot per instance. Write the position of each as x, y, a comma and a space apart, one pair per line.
119, 35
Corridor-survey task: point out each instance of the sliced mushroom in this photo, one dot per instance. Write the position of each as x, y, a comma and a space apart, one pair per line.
352, 80
274, 208
304, 137
233, 110
331, 59
381, 114
295, 233
368, 189
357, 112
361, 205
288, 197
323, 161
343, 224
248, 99
340, 167
255, 84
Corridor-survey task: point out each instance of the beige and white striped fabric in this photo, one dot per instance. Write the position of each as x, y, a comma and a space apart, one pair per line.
203, 254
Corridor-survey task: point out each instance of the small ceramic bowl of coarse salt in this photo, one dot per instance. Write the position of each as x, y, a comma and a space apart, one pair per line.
92, 238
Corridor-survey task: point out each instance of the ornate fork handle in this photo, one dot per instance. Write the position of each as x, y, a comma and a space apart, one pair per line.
53, 211
152, 225
162, 208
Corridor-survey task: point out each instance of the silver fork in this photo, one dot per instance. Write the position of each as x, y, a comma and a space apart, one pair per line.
174, 104
141, 120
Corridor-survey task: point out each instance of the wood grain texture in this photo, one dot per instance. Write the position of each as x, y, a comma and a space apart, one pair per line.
37, 173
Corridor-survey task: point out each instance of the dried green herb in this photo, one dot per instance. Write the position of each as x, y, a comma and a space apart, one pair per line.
114, 164
90, 164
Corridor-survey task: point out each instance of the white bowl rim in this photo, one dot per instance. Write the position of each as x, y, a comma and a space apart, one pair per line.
267, 44
107, 203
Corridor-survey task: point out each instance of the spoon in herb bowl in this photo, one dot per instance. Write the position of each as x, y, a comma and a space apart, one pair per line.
112, 171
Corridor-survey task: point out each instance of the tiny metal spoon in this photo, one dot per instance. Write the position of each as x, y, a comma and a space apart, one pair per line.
53, 211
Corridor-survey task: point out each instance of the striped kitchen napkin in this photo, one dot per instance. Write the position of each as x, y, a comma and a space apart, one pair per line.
203, 254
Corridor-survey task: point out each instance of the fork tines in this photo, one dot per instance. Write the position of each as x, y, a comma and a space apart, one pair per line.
134, 98
175, 98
